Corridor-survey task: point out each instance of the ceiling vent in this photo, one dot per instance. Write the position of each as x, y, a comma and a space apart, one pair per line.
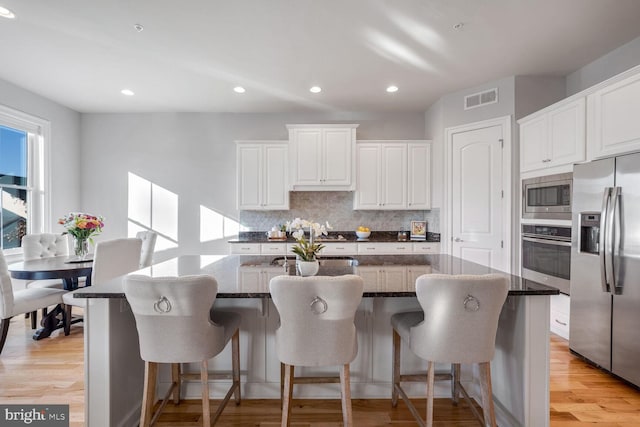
481, 98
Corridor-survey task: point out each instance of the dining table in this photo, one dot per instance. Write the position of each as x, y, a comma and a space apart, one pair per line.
69, 269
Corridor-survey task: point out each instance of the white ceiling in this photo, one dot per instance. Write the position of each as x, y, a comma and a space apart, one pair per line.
191, 54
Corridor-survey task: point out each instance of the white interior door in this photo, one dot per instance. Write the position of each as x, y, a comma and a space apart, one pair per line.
477, 197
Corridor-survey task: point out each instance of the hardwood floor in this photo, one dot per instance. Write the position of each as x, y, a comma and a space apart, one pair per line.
51, 371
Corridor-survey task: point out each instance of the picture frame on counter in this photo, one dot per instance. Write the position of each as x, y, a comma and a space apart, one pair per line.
418, 230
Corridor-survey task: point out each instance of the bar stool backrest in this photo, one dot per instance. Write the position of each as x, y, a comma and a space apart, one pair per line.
461, 317
316, 319
148, 245
113, 258
173, 317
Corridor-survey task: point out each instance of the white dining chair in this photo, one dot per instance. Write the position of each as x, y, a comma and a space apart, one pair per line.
457, 324
112, 258
316, 329
43, 245
148, 245
177, 324
21, 301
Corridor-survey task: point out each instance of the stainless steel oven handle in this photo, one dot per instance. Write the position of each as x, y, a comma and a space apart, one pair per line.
602, 251
547, 241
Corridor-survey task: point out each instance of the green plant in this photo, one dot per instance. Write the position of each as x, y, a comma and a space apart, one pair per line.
306, 250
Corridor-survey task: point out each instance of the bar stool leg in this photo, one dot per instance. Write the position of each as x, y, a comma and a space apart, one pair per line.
235, 363
487, 394
396, 368
175, 378
34, 319
345, 385
148, 395
288, 394
430, 385
455, 383
204, 378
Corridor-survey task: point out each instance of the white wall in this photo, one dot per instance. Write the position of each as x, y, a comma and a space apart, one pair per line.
614, 62
193, 156
64, 148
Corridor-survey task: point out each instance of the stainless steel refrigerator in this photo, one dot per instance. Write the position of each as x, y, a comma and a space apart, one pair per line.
605, 265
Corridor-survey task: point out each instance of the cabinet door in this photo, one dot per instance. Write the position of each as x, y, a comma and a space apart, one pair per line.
307, 156
249, 163
613, 117
418, 176
567, 143
336, 156
533, 144
368, 177
275, 191
394, 172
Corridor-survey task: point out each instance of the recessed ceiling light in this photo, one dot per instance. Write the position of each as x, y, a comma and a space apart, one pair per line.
392, 89
6, 13
138, 27
315, 89
127, 92
458, 26
239, 89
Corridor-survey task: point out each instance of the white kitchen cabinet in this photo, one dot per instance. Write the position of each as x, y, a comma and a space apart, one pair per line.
554, 136
559, 315
333, 248
384, 248
244, 248
322, 157
262, 180
418, 175
393, 175
426, 248
614, 127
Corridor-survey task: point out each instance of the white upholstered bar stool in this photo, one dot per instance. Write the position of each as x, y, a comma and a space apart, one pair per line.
177, 324
458, 324
148, 245
112, 258
43, 245
316, 329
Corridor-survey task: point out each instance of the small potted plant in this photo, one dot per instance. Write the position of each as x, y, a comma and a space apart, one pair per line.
306, 250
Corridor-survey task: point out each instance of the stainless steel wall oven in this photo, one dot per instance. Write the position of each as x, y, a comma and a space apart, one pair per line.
546, 255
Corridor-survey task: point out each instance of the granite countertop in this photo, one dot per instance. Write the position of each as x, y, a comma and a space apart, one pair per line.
348, 236
236, 274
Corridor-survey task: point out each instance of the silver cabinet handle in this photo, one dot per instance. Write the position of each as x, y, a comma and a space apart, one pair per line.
562, 323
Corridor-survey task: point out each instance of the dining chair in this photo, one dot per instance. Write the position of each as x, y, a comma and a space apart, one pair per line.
21, 301
316, 329
457, 324
148, 245
43, 245
112, 258
177, 324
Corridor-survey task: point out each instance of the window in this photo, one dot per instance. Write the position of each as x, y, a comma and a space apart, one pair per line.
22, 192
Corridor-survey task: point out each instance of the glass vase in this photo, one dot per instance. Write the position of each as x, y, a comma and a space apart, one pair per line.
80, 247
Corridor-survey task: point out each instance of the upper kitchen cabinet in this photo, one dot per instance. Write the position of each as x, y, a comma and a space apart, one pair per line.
322, 157
262, 181
554, 136
614, 127
393, 175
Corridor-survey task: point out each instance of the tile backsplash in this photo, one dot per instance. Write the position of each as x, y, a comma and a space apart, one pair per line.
336, 207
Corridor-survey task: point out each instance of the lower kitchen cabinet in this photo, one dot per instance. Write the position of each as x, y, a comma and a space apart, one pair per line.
559, 315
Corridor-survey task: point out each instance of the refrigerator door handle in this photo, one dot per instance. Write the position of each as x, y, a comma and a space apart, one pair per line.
616, 233
602, 252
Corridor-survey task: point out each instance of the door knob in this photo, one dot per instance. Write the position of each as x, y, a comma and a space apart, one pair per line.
457, 239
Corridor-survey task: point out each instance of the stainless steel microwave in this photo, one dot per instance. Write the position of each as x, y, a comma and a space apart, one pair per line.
547, 197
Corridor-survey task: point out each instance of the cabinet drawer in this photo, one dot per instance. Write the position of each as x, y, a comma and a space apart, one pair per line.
384, 248
273, 248
559, 324
426, 248
560, 303
339, 249
245, 248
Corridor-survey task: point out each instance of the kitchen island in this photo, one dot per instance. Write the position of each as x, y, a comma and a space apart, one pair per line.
520, 368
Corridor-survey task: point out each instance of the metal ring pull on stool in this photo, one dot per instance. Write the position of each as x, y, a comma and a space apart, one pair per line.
471, 303
314, 302
162, 305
